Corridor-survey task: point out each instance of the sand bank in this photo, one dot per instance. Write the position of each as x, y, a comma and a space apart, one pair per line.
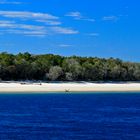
72, 87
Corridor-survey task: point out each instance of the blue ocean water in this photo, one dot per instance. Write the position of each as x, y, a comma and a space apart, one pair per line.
70, 116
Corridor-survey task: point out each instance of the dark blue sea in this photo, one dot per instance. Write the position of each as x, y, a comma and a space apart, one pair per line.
101, 116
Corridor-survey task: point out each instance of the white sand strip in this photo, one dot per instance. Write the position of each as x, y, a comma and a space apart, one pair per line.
72, 87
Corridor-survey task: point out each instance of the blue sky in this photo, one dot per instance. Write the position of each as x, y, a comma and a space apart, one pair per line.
102, 28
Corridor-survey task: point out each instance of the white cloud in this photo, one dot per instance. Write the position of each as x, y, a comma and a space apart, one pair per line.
45, 18
50, 22
110, 18
27, 15
24, 29
6, 21
79, 16
62, 30
11, 27
93, 34
12, 24
76, 15
64, 45
17, 22
28, 33
10, 2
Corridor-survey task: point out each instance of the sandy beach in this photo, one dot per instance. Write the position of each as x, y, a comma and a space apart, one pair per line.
11, 87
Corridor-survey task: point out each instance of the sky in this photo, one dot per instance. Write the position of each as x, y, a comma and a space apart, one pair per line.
97, 28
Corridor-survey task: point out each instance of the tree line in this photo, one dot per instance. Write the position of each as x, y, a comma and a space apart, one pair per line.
49, 67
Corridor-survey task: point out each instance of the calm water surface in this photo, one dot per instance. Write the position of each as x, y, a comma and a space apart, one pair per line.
70, 116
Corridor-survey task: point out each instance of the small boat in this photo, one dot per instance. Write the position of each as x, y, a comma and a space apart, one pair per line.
67, 90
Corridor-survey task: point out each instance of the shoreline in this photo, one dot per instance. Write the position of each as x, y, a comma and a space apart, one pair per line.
89, 87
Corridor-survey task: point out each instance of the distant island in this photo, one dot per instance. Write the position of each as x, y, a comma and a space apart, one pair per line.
49, 67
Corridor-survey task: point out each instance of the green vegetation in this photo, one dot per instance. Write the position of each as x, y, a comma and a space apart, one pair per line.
55, 68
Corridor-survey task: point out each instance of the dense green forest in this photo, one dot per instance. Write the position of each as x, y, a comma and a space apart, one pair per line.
25, 66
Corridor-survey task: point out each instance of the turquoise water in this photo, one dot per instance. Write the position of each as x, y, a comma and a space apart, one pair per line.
70, 116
